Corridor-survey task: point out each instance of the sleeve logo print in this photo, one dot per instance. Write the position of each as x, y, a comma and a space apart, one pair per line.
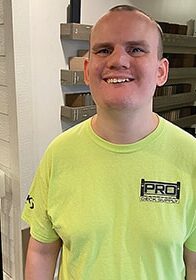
30, 201
153, 191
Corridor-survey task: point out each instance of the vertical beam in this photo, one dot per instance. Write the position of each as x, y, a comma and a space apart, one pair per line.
14, 227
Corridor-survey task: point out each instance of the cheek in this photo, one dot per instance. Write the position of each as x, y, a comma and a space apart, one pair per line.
147, 78
96, 69
92, 71
150, 73
95, 73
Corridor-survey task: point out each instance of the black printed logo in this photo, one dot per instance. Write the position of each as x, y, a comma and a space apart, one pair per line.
153, 191
30, 201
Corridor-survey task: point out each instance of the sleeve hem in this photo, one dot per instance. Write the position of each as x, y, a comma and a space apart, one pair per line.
190, 247
37, 236
41, 238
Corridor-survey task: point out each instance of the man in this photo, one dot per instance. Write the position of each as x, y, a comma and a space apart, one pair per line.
117, 192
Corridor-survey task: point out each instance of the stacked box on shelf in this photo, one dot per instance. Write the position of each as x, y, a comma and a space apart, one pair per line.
76, 63
173, 89
173, 28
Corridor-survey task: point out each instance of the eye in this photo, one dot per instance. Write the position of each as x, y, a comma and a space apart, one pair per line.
135, 51
104, 52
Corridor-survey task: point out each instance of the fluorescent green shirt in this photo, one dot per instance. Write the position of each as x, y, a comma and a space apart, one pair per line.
122, 211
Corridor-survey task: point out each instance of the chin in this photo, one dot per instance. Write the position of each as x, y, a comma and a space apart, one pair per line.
119, 106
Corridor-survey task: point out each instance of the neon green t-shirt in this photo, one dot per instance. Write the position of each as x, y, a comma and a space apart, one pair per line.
122, 211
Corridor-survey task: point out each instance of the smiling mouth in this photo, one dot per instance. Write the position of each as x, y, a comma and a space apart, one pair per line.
118, 80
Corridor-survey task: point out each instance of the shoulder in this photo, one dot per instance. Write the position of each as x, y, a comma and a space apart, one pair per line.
179, 136
70, 136
179, 146
68, 142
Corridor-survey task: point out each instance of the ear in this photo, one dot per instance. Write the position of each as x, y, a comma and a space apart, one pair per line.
163, 70
86, 71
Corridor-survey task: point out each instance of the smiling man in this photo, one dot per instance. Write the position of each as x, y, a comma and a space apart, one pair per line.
118, 191
123, 71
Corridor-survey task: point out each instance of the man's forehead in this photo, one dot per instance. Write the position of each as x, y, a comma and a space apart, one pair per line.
120, 15
122, 18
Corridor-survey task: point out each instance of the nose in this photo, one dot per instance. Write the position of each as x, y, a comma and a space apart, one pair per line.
119, 59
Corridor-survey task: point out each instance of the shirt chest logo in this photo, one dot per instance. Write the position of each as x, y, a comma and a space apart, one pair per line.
154, 191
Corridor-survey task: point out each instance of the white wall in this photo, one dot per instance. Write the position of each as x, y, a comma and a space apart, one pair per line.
92, 10
178, 11
46, 61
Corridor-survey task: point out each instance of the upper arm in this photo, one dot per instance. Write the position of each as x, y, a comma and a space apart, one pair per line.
190, 263
41, 259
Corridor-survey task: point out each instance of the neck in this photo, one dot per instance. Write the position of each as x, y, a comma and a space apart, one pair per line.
124, 129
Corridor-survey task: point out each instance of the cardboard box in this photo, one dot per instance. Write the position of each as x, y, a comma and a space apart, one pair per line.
71, 77
75, 100
75, 31
82, 53
76, 63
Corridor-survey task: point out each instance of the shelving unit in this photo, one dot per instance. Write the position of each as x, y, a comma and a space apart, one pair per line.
186, 121
75, 31
162, 103
179, 43
182, 73
77, 113
182, 45
173, 44
71, 78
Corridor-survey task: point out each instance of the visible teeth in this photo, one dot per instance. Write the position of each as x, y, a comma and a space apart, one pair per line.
119, 80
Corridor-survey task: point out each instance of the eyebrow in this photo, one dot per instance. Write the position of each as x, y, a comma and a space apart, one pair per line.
98, 46
142, 43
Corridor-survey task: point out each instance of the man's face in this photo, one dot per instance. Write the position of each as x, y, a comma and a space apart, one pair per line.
123, 69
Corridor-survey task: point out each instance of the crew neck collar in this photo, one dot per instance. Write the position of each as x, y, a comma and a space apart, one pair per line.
125, 148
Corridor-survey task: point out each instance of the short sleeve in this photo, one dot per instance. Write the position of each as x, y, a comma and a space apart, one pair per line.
35, 211
191, 241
